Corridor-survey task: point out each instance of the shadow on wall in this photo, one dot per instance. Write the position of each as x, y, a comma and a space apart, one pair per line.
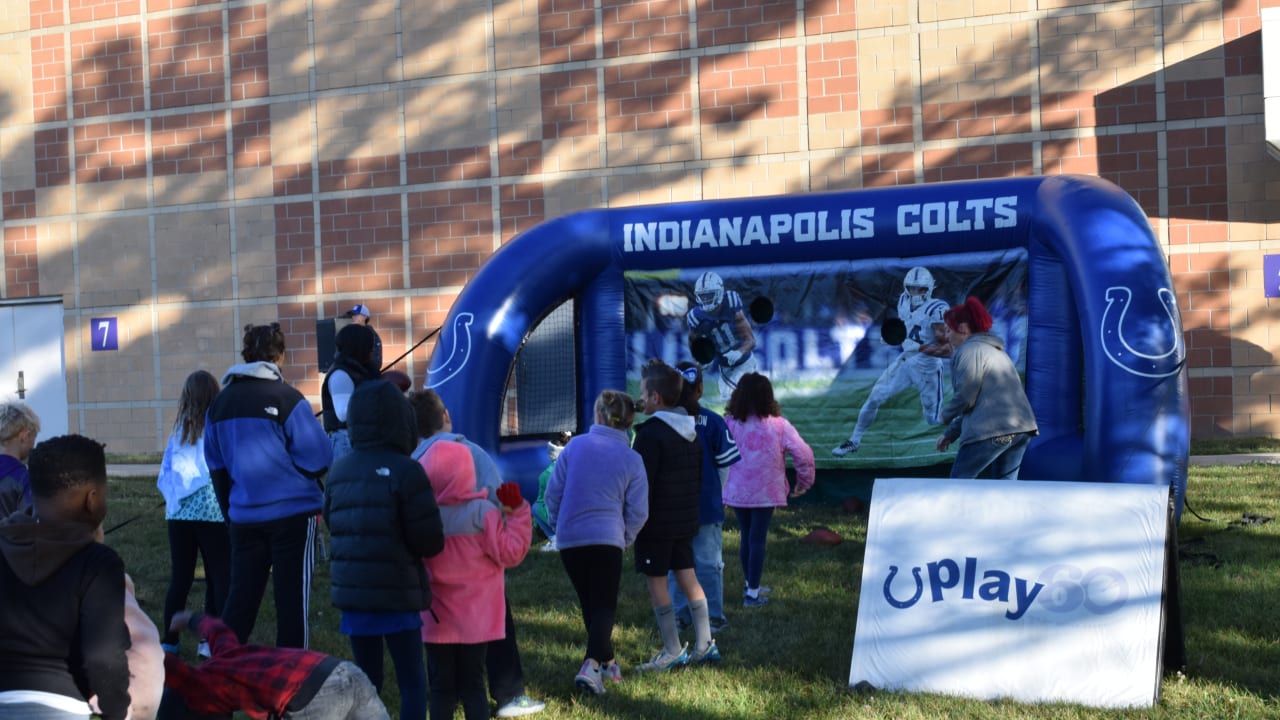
83, 173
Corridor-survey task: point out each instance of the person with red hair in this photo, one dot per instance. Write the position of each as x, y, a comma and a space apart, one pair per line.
988, 413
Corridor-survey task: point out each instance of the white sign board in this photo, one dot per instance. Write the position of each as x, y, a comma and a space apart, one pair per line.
1035, 591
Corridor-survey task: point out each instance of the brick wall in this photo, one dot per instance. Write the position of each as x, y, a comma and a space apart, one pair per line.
196, 165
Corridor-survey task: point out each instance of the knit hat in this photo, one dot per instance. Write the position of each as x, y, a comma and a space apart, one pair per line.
972, 313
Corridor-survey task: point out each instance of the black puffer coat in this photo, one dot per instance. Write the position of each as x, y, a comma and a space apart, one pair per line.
381, 512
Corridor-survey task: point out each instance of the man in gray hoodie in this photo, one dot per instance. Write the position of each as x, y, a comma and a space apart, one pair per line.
672, 453
989, 413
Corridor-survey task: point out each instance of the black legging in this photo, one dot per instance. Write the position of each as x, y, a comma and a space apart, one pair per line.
456, 675
209, 539
596, 571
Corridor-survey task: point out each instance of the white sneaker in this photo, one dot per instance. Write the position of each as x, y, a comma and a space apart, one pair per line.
590, 679
846, 447
665, 661
520, 706
550, 545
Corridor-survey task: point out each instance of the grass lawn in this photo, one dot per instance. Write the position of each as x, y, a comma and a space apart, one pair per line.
791, 658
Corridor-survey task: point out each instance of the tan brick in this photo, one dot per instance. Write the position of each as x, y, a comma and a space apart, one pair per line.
290, 133
962, 9
15, 81
882, 13
289, 55
193, 338
109, 196
519, 109
360, 125
884, 68
54, 250
572, 195
121, 429
130, 365
202, 187
449, 37
17, 159
651, 146
1243, 96
516, 40
115, 261
193, 254
753, 180
447, 115
255, 262
630, 190
253, 182
355, 45
15, 17
1263, 382
839, 172
834, 130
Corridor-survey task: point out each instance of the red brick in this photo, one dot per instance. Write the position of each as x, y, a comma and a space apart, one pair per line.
566, 30
19, 204
830, 16
637, 27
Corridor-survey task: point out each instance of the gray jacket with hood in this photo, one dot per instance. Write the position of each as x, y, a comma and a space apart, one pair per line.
988, 399
62, 627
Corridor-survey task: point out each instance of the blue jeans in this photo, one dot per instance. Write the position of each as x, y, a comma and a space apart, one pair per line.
409, 663
708, 566
755, 533
346, 694
999, 458
340, 440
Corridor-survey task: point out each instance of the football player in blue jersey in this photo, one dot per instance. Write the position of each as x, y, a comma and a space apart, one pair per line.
921, 362
718, 316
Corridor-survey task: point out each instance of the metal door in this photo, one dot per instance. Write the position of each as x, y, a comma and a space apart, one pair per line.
33, 366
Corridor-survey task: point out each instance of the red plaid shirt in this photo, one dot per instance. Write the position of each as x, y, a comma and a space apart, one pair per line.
255, 679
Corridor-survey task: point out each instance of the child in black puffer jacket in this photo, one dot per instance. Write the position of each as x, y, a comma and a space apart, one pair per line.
383, 520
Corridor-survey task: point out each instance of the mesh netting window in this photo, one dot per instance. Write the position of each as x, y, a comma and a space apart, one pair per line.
541, 396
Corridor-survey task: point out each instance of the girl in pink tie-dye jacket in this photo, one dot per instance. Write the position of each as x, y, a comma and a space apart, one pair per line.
758, 484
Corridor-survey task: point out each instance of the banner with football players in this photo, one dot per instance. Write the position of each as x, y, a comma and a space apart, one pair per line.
856, 350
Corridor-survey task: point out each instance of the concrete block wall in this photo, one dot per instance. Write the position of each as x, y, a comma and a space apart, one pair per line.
191, 166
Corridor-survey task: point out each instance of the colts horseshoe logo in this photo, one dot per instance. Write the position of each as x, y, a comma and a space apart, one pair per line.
458, 354
1122, 353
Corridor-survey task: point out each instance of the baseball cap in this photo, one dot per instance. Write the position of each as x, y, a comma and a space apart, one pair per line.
360, 310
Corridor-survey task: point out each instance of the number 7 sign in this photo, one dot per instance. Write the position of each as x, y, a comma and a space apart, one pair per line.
104, 334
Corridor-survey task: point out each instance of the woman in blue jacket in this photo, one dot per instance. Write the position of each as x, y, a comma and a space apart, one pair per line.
266, 454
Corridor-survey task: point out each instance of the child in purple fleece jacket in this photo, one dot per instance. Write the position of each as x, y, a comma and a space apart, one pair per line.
597, 501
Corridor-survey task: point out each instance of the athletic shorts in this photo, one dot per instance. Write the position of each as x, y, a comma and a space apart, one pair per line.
655, 557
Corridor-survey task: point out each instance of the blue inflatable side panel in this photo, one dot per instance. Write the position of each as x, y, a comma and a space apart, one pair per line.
1105, 356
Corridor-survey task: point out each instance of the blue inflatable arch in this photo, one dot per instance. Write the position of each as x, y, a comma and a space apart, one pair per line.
1105, 360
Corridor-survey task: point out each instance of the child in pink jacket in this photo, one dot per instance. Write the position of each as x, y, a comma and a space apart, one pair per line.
758, 484
467, 595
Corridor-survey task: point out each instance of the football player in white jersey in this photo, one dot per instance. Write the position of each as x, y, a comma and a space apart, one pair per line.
921, 362
718, 316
